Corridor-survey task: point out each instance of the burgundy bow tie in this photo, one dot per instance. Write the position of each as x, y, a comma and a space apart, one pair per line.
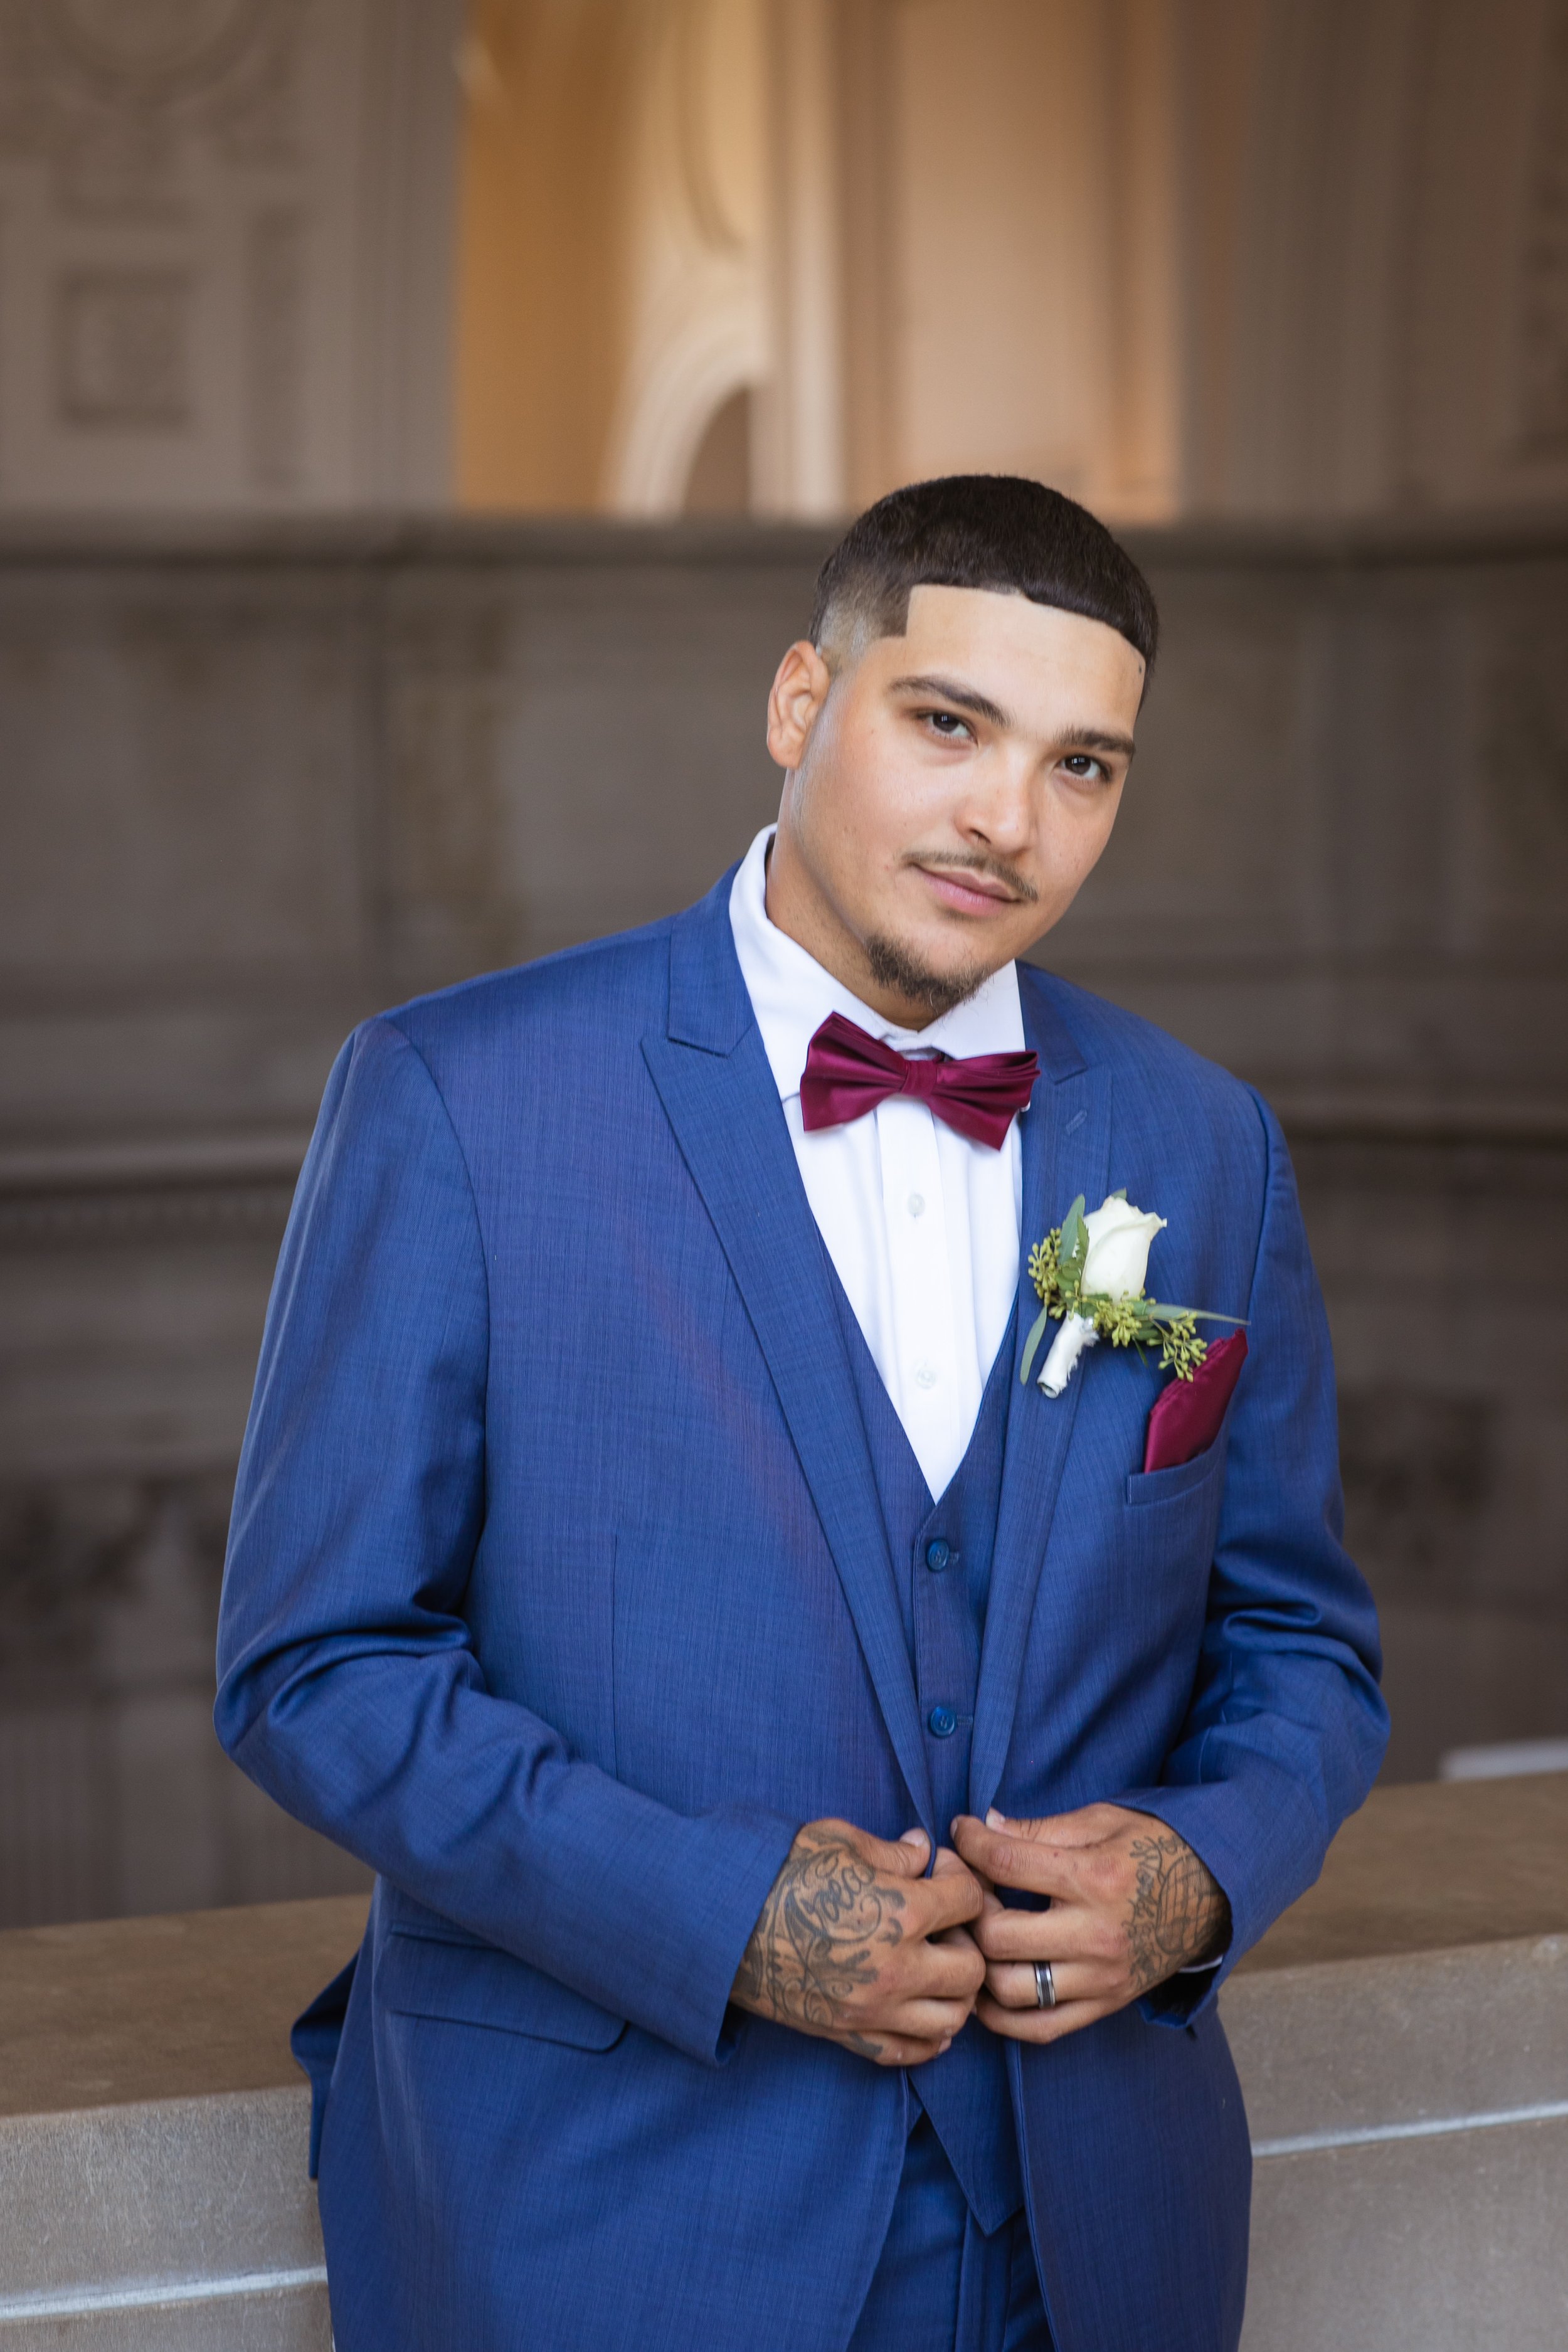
848, 1073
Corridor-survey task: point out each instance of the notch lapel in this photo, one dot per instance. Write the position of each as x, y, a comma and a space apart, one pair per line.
1067, 1151
713, 1076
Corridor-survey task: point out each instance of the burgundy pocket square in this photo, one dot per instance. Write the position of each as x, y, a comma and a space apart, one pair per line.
1186, 1415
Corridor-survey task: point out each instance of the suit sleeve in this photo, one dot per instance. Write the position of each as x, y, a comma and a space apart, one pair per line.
1288, 1726
349, 1688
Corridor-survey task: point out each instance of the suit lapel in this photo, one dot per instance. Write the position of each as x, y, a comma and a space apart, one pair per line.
718, 1091
1067, 1148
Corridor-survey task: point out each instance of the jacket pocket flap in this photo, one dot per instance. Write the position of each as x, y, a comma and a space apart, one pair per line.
475, 1984
1184, 1478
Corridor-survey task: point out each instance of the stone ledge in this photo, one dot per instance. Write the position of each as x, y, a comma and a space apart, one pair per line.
1429, 1866
382, 537
1402, 2037
197, 2005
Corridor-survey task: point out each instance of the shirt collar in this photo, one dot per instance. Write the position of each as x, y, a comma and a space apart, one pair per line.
792, 995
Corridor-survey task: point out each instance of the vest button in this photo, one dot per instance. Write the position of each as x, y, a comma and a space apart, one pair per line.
939, 1552
942, 1721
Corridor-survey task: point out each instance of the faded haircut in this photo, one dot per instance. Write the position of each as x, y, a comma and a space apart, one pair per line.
999, 532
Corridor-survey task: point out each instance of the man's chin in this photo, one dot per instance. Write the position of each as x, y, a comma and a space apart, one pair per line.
900, 967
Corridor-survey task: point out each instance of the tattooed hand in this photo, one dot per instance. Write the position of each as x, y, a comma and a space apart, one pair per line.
1129, 1904
856, 1945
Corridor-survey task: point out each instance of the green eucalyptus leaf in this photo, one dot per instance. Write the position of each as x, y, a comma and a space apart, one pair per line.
1033, 1341
1074, 1248
1163, 1308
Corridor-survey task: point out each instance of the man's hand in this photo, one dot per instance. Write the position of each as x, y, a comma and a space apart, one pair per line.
856, 1945
1129, 1904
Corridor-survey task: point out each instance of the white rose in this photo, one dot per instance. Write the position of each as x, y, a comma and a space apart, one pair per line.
1119, 1239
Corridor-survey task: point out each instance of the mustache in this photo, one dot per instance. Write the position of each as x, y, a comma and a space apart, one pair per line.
996, 869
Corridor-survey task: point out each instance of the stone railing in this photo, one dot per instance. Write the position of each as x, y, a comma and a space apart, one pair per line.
1402, 2037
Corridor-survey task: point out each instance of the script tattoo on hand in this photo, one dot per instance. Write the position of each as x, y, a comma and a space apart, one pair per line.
817, 1940
1177, 1915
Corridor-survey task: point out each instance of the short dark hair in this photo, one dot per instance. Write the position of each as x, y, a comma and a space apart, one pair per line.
980, 530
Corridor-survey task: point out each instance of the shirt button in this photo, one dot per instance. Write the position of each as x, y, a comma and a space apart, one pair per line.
939, 1552
925, 1377
917, 1205
942, 1722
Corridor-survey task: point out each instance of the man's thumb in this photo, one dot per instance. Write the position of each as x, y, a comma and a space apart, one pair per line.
913, 1852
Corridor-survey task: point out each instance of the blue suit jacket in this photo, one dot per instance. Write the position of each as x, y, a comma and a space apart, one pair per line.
558, 1592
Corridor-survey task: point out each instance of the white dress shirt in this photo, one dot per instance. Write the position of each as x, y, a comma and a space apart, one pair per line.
922, 1224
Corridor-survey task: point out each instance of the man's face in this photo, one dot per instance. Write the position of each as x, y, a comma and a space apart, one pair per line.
946, 795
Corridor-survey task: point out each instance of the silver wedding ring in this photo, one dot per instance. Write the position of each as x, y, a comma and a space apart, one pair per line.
1044, 1986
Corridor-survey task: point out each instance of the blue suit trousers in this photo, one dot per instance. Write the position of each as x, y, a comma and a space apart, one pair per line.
941, 2284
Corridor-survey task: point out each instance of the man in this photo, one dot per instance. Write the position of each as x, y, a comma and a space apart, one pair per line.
816, 1779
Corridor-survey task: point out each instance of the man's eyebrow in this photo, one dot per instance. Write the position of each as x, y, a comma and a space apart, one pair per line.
1095, 739
968, 697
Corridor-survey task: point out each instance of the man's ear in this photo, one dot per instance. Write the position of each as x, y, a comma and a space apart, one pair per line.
799, 690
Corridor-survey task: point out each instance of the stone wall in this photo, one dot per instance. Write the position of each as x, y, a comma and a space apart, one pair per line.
260, 782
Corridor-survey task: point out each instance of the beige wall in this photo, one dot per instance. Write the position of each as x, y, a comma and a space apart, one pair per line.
540, 327
1400, 321
890, 219
1243, 257
617, 270
1267, 257
1020, 259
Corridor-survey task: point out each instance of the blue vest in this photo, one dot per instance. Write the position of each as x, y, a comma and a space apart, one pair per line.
941, 1554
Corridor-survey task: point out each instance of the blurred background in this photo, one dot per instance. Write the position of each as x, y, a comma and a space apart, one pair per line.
420, 425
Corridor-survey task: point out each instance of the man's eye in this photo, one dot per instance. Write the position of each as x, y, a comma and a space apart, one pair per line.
1079, 763
947, 724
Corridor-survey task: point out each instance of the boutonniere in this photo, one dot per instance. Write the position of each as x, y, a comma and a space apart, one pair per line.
1089, 1274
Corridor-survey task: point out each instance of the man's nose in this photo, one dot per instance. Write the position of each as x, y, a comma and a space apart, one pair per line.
997, 809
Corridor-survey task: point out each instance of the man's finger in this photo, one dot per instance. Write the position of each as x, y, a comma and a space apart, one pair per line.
927, 2020
1085, 1825
946, 1969
1015, 1986
888, 2049
1068, 1931
1040, 2025
904, 1857
1011, 1860
951, 1897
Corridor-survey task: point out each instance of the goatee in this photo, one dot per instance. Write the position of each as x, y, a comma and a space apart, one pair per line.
900, 970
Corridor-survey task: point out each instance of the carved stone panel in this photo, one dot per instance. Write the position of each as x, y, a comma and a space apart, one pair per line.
122, 340
209, 293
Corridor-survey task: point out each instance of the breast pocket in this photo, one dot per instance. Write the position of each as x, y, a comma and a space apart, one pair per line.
474, 1984
1170, 1518
1169, 1532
